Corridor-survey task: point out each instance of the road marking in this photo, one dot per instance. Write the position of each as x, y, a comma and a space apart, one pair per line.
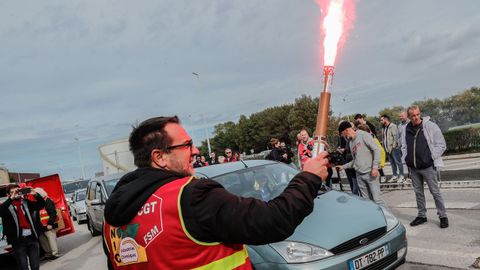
445, 253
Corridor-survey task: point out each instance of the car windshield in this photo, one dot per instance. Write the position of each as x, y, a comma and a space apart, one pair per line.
109, 185
71, 187
262, 182
81, 195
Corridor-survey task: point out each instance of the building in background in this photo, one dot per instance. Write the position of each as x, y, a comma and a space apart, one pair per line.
116, 157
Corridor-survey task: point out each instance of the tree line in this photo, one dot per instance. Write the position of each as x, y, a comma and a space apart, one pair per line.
252, 133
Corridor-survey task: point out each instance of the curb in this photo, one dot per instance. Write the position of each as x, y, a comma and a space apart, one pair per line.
404, 186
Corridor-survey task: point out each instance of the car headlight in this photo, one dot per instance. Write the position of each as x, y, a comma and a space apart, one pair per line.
391, 220
297, 252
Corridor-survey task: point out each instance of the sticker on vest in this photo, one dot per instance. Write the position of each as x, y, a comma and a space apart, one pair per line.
125, 249
26, 232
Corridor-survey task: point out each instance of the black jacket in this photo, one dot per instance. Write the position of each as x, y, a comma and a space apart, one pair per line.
419, 155
52, 213
212, 214
11, 226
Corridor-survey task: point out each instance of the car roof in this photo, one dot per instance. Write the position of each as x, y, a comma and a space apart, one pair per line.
220, 169
108, 177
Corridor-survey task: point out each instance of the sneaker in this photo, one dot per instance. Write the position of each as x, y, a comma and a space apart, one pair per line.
400, 180
407, 181
383, 179
443, 222
418, 221
393, 179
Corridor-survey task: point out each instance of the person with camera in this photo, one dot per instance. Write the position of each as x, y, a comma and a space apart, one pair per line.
20, 226
366, 161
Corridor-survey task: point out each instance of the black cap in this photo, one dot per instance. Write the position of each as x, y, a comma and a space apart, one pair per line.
344, 125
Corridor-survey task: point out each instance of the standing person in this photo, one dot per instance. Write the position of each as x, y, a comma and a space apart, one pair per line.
402, 117
390, 143
305, 147
204, 161
198, 162
423, 145
344, 148
20, 226
366, 160
48, 239
213, 159
229, 155
362, 119
365, 128
277, 153
286, 149
160, 217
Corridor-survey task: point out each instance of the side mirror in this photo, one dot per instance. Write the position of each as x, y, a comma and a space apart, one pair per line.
96, 202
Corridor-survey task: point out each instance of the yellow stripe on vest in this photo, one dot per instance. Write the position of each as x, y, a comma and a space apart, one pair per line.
233, 261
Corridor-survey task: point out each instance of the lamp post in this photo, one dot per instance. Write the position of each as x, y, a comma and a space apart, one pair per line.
80, 157
203, 118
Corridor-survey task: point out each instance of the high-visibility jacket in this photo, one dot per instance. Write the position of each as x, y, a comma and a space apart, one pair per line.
156, 238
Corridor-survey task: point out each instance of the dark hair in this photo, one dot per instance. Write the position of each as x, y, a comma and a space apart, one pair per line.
12, 186
357, 116
385, 116
149, 135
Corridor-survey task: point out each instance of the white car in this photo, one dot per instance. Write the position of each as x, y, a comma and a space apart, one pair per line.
78, 208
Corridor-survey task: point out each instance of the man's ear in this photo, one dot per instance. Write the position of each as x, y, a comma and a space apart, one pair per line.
158, 158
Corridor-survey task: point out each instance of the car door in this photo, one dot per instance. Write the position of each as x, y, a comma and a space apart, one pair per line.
98, 205
53, 186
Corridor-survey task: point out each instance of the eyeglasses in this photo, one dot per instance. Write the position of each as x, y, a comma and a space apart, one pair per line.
187, 144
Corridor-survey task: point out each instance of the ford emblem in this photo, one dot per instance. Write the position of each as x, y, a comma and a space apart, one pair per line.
363, 241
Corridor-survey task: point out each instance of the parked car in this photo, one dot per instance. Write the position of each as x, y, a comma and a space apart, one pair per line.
78, 208
70, 187
344, 231
98, 191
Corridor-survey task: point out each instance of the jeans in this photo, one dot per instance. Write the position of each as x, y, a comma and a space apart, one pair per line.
27, 252
429, 175
352, 180
395, 158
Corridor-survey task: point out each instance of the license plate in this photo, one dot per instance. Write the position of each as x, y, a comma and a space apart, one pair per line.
369, 258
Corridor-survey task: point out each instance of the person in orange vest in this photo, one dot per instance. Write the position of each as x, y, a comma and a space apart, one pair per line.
20, 226
160, 217
48, 218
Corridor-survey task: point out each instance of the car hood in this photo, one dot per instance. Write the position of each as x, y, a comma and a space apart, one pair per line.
338, 217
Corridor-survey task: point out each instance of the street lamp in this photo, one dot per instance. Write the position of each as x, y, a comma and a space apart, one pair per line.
203, 118
80, 157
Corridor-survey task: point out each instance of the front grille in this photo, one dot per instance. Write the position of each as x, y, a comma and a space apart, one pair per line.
355, 242
384, 263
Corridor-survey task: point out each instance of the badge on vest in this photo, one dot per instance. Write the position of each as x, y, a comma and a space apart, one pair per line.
125, 249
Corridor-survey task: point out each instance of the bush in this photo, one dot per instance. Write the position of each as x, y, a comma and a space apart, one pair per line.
463, 140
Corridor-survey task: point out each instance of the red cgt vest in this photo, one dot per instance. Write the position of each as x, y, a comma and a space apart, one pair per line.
156, 238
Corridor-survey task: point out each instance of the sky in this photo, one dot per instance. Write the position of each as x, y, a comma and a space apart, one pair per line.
75, 75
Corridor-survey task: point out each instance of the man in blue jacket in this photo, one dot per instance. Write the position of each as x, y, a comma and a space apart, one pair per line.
423, 145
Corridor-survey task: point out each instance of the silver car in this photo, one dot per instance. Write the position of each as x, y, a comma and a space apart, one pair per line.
344, 231
78, 208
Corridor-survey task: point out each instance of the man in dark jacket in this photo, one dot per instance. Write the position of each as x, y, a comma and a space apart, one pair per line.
48, 239
20, 226
214, 223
